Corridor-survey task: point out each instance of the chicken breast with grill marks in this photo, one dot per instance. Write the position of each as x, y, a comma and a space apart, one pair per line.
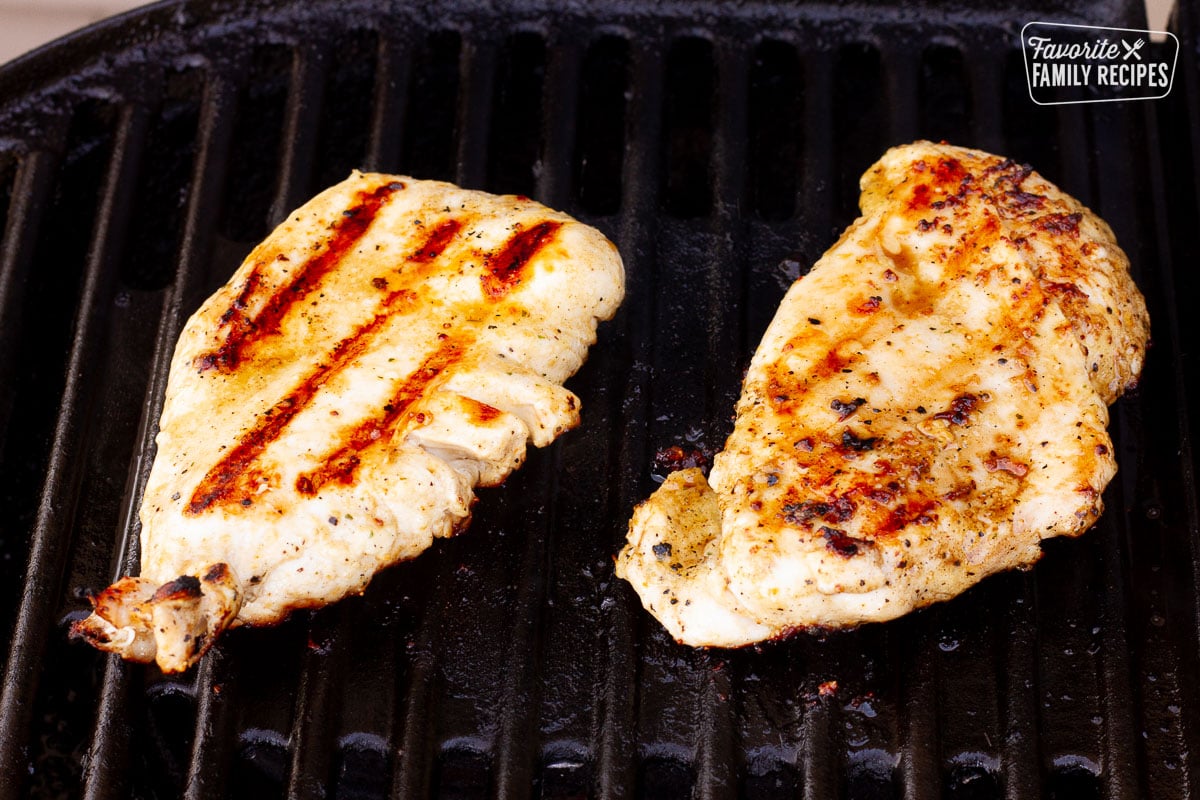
928, 404
329, 411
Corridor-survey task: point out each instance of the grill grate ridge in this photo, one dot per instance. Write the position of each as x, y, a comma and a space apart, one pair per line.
616, 746
600, 125
717, 757
517, 743
478, 65
1120, 751
900, 75
31, 188
351, 97
1175, 209
1184, 327
205, 775
51, 535
944, 97
774, 108
393, 74
314, 720
919, 739
301, 121
214, 134
1070, 682
210, 754
1020, 689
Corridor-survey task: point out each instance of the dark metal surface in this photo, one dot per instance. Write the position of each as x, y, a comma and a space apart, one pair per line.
719, 145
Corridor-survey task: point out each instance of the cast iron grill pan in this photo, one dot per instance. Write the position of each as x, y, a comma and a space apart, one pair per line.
719, 145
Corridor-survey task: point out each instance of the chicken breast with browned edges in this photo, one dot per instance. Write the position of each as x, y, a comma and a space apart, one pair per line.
392, 345
928, 404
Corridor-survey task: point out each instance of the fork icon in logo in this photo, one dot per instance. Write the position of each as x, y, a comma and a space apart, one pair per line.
1132, 50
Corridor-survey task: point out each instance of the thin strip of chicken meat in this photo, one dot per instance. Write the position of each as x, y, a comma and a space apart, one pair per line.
330, 410
928, 404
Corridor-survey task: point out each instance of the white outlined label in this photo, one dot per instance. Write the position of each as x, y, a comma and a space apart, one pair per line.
1089, 64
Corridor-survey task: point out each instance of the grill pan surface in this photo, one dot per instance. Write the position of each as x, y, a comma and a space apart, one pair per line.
719, 145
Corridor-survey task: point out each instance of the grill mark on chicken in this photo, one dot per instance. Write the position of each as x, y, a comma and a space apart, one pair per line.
786, 389
505, 267
838, 509
243, 330
230, 478
1008, 171
340, 465
236, 321
950, 171
869, 306
233, 479
437, 241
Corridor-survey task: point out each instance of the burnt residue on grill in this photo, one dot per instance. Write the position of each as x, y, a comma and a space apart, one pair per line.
508, 662
674, 458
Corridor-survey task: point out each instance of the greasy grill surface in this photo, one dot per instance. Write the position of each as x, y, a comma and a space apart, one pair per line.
719, 146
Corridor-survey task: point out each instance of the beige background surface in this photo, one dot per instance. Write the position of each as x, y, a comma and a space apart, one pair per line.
25, 24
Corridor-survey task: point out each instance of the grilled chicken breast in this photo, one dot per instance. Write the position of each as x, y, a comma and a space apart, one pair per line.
928, 404
329, 411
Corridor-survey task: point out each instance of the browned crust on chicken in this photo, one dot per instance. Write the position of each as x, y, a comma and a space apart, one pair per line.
928, 404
